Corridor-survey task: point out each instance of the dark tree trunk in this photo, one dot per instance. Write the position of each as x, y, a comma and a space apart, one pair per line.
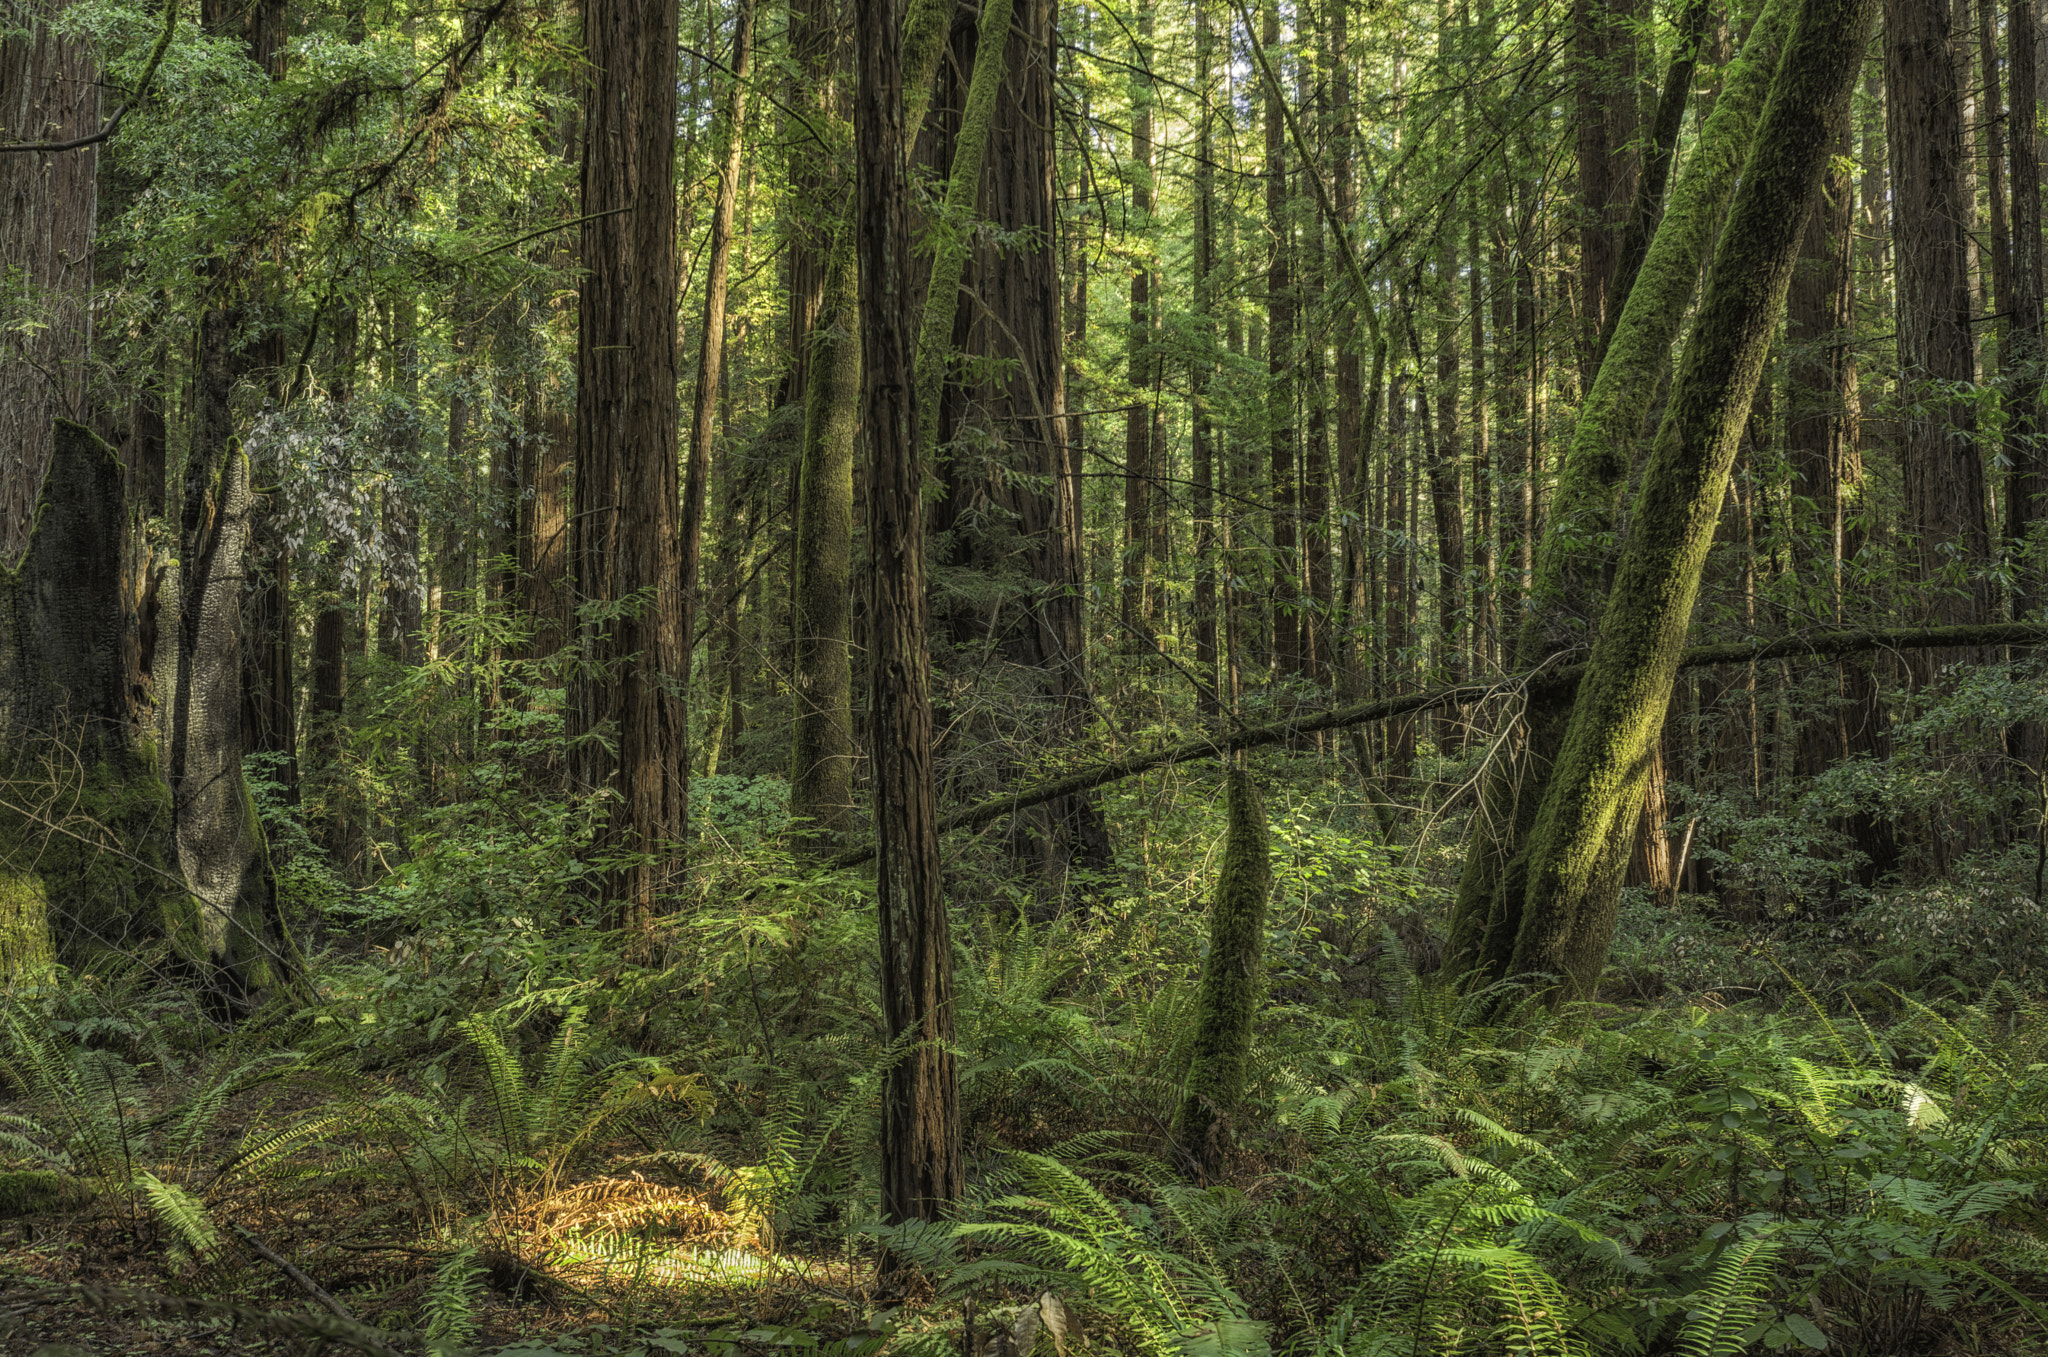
921, 1157
1140, 607
1944, 474
1003, 437
626, 528
49, 91
1280, 361
72, 756
2027, 482
1207, 702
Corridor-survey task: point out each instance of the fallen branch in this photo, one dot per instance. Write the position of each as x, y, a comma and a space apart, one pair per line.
304, 1283
1820, 646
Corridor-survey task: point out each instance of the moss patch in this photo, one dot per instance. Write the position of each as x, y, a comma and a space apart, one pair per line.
24, 925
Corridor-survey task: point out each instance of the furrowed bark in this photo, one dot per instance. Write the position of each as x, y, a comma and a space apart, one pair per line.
624, 534
821, 667
921, 1159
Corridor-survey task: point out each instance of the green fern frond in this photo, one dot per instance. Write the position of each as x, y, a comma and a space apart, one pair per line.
506, 1083
451, 1299
183, 1214
1722, 1311
257, 1153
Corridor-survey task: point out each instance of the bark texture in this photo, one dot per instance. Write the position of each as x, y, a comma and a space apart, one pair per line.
1233, 979
1944, 474
624, 534
87, 860
49, 91
821, 749
1585, 507
921, 1159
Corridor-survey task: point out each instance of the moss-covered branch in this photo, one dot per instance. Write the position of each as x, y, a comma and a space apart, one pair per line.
1557, 678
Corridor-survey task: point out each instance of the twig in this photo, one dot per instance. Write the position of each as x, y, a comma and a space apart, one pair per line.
305, 1283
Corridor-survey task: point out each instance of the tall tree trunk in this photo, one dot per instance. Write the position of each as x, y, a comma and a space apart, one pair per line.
710, 370
2026, 486
921, 1156
821, 748
49, 91
624, 535
1280, 361
1944, 475
1208, 705
1139, 607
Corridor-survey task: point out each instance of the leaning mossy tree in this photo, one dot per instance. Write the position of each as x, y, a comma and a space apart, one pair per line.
1233, 976
1586, 506
1554, 912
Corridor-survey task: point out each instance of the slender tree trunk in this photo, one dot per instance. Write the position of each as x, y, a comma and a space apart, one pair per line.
710, 369
1208, 706
1139, 607
1281, 357
2026, 486
921, 1156
821, 733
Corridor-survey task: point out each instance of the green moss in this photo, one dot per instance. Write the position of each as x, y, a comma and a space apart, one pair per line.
955, 223
1233, 976
1573, 559
24, 925
34, 1192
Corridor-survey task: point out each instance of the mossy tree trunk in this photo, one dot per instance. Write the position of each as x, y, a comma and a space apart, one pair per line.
1009, 512
1233, 979
1586, 502
241, 946
1583, 831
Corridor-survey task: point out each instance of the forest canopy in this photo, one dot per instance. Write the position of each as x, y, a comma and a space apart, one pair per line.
1229, 676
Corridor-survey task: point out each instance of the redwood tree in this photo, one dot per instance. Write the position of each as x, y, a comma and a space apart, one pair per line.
628, 711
